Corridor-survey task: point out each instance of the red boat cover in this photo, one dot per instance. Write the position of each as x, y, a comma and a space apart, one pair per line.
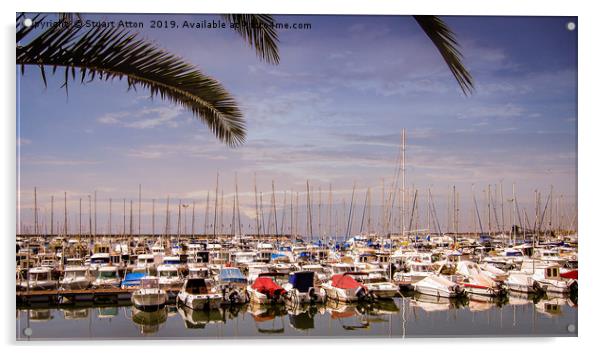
342, 281
267, 286
571, 274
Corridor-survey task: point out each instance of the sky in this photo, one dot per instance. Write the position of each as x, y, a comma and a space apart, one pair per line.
330, 114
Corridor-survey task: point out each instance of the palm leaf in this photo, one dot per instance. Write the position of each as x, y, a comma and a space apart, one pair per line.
258, 31
107, 53
445, 40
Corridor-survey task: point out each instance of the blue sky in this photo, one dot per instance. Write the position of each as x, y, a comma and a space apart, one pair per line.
330, 112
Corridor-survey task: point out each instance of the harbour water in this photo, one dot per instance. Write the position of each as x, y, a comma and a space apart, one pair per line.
411, 315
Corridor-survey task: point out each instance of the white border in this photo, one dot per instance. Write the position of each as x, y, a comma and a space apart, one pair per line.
590, 131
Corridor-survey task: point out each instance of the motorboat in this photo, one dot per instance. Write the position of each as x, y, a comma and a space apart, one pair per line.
319, 271
522, 282
416, 271
76, 278
40, 278
232, 285
98, 260
266, 290
199, 294
170, 276
344, 288
149, 296
302, 288
439, 286
477, 282
107, 278
147, 262
548, 277
377, 284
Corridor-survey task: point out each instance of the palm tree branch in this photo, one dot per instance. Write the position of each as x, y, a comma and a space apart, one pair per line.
115, 53
445, 40
258, 32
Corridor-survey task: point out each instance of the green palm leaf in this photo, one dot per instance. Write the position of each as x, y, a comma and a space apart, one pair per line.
106, 53
257, 30
445, 40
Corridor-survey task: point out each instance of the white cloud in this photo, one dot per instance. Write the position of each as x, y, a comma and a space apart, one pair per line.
143, 119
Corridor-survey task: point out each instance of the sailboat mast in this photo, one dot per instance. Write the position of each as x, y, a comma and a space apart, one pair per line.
256, 205
309, 221
110, 216
153, 219
35, 210
52, 215
139, 208
403, 181
65, 222
215, 209
95, 206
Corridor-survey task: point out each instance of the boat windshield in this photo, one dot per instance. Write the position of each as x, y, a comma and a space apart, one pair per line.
372, 280
75, 273
107, 274
168, 273
39, 276
99, 260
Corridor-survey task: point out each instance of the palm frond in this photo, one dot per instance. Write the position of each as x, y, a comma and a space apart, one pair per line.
258, 31
445, 40
109, 53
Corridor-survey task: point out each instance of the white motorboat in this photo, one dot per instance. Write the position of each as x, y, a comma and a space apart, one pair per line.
149, 296
76, 278
477, 282
232, 285
344, 288
170, 276
377, 284
416, 271
439, 286
40, 278
108, 277
319, 272
302, 288
265, 289
199, 294
548, 277
522, 282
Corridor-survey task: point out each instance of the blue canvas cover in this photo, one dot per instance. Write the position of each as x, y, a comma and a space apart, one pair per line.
132, 279
302, 281
233, 275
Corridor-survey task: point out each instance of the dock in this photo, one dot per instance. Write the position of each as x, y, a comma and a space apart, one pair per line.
62, 296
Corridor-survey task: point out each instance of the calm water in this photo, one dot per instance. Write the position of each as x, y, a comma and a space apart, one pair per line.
413, 315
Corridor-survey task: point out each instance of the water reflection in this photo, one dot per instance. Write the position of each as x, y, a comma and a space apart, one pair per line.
411, 314
148, 321
200, 319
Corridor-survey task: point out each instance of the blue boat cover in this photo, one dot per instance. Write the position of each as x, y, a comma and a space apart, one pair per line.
302, 281
132, 279
277, 255
233, 275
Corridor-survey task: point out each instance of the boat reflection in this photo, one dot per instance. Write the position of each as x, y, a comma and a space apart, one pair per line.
200, 318
301, 317
107, 312
148, 321
40, 315
268, 319
75, 313
429, 303
551, 306
349, 315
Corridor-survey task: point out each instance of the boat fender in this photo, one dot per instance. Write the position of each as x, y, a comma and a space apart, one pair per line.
233, 297
360, 293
